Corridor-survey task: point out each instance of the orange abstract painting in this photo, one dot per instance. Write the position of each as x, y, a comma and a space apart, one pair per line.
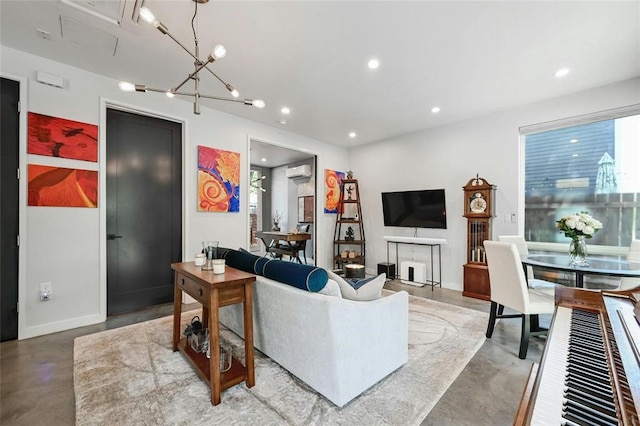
59, 137
218, 180
61, 187
332, 184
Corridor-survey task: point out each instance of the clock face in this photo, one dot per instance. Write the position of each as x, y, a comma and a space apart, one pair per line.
478, 204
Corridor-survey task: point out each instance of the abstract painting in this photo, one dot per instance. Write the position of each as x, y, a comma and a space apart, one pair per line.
218, 180
62, 187
332, 184
59, 137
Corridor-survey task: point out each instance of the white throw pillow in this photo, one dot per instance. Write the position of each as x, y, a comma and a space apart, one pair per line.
371, 290
331, 289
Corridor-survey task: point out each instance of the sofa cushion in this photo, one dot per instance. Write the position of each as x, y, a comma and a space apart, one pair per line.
245, 261
362, 290
304, 277
331, 289
221, 253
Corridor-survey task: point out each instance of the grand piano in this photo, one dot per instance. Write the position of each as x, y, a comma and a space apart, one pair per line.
589, 373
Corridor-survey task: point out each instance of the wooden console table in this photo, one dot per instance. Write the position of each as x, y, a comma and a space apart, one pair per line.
213, 292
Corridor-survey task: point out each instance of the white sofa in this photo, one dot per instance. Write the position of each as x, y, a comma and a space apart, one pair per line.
339, 347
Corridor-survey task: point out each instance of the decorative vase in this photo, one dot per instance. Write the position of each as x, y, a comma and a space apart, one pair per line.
578, 251
276, 228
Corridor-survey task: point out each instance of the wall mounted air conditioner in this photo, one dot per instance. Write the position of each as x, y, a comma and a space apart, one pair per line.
299, 172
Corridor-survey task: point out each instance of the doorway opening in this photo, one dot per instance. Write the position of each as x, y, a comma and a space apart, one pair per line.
278, 196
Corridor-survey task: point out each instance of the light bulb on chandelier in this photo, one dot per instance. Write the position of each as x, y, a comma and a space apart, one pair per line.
219, 52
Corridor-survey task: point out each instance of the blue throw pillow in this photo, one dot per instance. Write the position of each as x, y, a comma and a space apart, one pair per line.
260, 263
221, 253
245, 261
357, 283
304, 277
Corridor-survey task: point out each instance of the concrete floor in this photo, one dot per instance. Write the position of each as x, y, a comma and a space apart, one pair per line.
36, 375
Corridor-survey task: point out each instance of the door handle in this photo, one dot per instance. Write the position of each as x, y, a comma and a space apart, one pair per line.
113, 236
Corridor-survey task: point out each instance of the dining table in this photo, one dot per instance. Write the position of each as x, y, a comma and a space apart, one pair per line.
608, 266
279, 243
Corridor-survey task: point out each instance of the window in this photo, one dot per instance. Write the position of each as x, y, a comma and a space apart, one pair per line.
592, 166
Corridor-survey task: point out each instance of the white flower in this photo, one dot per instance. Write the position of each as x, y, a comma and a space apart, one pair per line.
578, 224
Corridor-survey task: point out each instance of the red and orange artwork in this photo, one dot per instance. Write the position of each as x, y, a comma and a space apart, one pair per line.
61, 187
218, 180
332, 184
59, 137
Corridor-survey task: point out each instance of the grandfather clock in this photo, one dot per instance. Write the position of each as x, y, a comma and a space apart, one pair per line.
479, 209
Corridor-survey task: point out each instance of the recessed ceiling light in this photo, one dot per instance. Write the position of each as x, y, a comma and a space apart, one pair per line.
574, 155
283, 122
573, 141
562, 72
263, 159
352, 134
373, 63
285, 110
435, 110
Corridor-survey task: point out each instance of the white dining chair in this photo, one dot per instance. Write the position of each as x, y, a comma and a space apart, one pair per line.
523, 250
633, 255
509, 289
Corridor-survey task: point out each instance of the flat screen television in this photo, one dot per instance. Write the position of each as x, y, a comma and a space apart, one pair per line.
415, 209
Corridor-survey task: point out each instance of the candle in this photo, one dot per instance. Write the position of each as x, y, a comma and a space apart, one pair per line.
218, 266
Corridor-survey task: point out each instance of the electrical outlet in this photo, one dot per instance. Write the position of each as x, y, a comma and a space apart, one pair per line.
507, 218
46, 291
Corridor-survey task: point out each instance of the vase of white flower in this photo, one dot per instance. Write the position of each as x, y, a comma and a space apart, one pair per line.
578, 251
578, 227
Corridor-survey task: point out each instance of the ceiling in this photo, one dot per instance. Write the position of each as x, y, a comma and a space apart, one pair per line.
468, 58
269, 156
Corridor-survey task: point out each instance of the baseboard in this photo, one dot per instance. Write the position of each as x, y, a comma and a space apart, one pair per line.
54, 327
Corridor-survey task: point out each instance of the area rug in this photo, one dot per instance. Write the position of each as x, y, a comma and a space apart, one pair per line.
130, 376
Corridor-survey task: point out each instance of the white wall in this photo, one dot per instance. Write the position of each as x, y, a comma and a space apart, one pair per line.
66, 246
280, 195
448, 157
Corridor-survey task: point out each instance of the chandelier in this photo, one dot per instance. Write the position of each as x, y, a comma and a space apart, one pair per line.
218, 52
256, 183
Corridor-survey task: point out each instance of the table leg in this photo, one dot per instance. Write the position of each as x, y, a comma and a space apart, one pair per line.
248, 334
177, 312
205, 316
214, 346
579, 280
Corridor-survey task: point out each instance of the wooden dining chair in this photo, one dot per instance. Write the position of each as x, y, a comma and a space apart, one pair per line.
300, 246
509, 290
523, 250
633, 255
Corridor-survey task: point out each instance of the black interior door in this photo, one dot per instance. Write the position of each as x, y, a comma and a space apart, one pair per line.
9, 208
144, 209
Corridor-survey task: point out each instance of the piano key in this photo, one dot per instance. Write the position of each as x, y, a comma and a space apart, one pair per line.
603, 406
548, 408
604, 394
595, 416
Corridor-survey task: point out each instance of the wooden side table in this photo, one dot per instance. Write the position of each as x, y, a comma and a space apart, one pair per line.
214, 291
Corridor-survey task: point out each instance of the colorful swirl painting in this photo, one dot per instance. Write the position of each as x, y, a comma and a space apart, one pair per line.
61, 187
332, 183
59, 137
218, 180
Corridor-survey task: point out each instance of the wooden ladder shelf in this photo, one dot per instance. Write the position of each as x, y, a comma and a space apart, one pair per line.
349, 231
